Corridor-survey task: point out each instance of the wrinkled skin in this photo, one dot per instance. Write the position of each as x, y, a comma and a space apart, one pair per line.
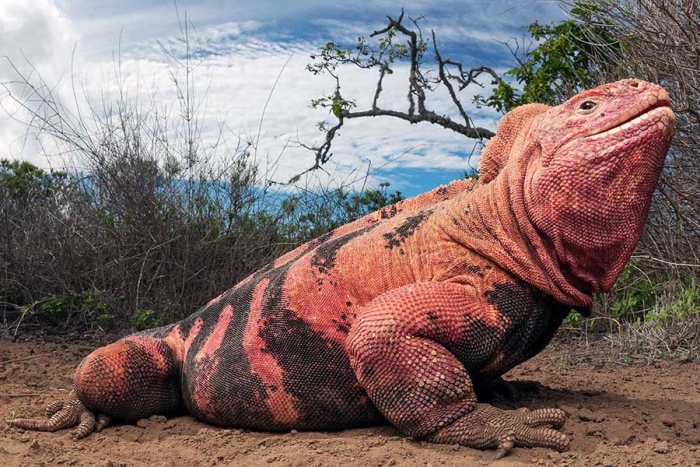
406, 314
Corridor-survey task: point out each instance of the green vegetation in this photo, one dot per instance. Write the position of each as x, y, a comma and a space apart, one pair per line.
22, 181
567, 59
682, 304
311, 214
641, 296
75, 311
143, 318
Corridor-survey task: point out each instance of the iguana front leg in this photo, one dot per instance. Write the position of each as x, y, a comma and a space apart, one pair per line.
403, 348
133, 378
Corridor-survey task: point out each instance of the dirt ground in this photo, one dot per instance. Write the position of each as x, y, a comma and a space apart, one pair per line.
619, 415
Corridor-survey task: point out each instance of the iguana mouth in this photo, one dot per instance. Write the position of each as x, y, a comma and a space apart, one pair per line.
651, 113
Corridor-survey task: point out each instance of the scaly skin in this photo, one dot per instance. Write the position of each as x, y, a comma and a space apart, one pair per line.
406, 314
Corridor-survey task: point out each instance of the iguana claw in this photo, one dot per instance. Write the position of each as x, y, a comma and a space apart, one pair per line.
505, 446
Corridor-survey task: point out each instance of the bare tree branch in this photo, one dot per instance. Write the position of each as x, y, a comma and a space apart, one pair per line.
384, 56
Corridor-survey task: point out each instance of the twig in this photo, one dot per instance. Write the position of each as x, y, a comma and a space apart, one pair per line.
670, 263
267, 102
24, 359
22, 317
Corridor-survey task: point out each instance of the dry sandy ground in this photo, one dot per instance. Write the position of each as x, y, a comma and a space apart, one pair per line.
620, 415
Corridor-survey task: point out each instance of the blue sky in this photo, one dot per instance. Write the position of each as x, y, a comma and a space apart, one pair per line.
246, 44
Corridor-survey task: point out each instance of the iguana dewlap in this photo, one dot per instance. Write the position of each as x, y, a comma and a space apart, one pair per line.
400, 315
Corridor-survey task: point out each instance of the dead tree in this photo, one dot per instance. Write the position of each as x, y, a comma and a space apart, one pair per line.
400, 41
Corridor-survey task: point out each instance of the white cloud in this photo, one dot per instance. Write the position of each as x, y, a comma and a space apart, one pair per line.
229, 29
36, 28
35, 33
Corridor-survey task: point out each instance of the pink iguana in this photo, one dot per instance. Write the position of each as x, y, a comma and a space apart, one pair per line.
406, 313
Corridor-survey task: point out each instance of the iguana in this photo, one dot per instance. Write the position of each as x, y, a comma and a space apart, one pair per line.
404, 315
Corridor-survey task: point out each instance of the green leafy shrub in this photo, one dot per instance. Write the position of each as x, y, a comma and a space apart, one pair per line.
75, 311
642, 297
634, 294
144, 318
682, 304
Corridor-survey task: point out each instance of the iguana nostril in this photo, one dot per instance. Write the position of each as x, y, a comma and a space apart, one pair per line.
634, 84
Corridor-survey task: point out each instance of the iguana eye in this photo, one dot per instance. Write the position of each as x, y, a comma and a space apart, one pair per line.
587, 106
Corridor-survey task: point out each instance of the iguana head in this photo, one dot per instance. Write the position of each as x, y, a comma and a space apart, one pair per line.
589, 173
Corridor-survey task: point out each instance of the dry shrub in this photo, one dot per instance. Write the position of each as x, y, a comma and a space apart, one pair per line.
149, 219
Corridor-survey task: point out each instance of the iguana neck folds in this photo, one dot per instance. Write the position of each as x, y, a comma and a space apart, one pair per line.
494, 224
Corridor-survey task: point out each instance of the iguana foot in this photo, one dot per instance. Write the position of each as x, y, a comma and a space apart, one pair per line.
65, 414
488, 426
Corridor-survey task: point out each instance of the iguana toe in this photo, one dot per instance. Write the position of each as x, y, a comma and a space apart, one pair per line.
53, 408
554, 418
